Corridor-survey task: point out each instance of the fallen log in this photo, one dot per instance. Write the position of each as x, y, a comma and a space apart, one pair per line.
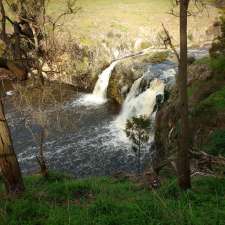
141, 53
207, 158
204, 159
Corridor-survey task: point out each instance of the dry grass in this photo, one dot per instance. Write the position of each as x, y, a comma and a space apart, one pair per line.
130, 18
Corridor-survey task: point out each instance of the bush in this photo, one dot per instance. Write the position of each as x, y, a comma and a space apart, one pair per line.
211, 105
218, 64
216, 145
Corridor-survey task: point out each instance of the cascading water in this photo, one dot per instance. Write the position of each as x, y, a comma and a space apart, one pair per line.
137, 103
103, 81
99, 94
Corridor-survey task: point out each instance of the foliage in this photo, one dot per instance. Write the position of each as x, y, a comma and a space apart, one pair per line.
216, 145
216, 64
213, 104
107, 201
137, 130
204, 60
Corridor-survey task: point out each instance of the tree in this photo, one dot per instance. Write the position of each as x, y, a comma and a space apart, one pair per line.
40, 157
31, 41
183, 162
137, 130
8, 161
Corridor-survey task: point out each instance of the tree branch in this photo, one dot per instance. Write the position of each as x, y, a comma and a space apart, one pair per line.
169, 42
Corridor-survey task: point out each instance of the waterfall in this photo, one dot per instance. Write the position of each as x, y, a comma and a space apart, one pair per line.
137, 103
101, 86
99, 94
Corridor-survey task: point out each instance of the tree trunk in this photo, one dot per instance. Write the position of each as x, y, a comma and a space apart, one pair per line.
40, 157
9, 165
183, 162
3, 22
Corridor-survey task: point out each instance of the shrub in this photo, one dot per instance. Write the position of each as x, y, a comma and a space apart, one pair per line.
216, 145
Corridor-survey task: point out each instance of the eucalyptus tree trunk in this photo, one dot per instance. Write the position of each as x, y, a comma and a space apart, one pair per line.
183, 162
9, 165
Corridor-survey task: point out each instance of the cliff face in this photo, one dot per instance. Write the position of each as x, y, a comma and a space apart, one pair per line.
206, 90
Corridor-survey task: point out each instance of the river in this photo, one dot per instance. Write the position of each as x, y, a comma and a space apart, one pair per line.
82, 137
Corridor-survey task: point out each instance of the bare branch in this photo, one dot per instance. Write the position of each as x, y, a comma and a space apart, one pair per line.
168, 42
71, 9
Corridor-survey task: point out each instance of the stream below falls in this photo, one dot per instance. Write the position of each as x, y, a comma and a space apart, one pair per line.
82, 140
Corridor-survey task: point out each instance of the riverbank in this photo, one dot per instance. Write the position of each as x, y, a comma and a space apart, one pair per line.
111, 201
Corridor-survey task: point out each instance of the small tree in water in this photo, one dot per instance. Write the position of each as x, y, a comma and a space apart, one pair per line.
137, 130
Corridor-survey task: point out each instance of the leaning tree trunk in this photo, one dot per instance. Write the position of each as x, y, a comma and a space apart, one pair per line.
9, 165
183, 162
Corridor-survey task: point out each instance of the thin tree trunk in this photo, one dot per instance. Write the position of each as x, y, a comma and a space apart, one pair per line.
183, 162
3, 22
9, 165
139, 153
40, 157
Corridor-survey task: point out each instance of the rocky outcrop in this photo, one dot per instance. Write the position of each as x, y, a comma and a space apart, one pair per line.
129, 70
79, 66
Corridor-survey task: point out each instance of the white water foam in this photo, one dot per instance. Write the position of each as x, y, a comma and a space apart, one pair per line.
99, 95
140, 104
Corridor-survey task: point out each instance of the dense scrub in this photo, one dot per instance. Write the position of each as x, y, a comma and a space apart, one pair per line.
109, 201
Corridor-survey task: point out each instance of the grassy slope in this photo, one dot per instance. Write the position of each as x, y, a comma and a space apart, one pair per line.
106, 201
208, 110
136, 19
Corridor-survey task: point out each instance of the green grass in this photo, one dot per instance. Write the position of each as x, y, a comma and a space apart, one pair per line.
107, 201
